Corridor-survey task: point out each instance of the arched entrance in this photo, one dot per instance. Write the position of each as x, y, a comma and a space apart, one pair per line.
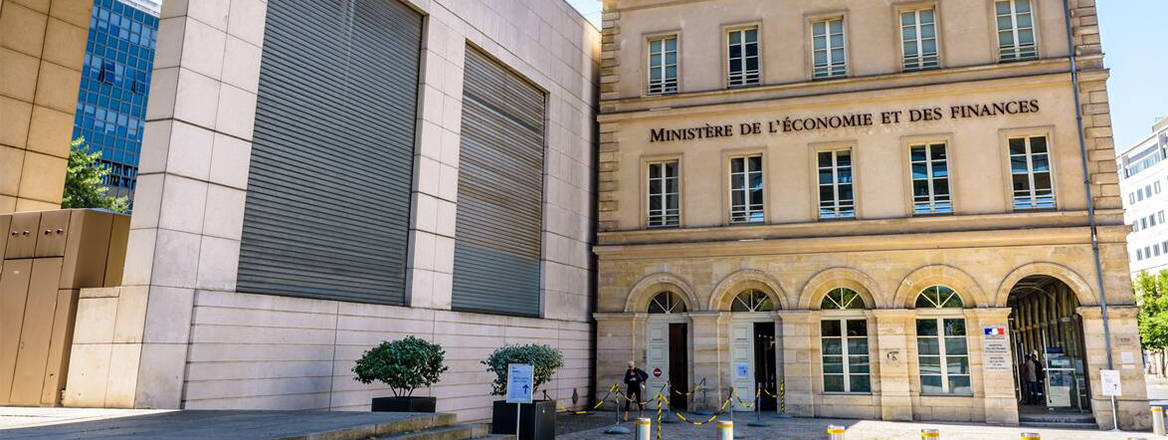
753, 349
667, 350
1045, 328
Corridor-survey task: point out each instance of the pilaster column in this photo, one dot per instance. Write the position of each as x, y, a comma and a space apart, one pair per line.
1001, 407
1133, 408
620, 338
798, 358
710, 351
891, 337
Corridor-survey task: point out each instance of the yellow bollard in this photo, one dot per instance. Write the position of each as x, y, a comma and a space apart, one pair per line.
1031, 436
644, 428
930, 434
725, 430
835, 432
1158, 420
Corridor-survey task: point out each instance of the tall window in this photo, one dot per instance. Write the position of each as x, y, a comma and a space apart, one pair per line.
918, 32
1030, 172
941, 345
827, 49
663, 65
664, 209
743, 57
666, 302
930, 179
746, 189
845, 356
1015, 30
836, 195
752, 301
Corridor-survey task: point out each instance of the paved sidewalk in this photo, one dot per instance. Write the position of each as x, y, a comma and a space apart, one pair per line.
24, 417
815, 429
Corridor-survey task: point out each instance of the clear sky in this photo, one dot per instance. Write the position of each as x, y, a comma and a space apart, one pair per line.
1135, 39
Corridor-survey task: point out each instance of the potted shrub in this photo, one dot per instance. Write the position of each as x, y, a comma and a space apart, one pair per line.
405, 365
538, 418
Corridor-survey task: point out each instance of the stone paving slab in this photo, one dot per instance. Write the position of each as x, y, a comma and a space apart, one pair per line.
815, 429
209, 424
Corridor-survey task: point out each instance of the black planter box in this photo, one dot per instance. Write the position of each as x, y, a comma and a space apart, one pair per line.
405, 404
537, 421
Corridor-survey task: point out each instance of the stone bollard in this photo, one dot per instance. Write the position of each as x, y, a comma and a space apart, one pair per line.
1157, 420
930, 434
725, 430
1031, 436
835, 432
644, 428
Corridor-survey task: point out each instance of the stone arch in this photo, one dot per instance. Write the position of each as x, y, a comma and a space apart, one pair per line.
736, 282
971, 293
644, 290
1086, 295
819, 284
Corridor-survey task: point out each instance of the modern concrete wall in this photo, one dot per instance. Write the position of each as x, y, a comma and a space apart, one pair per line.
42, 49
191, 341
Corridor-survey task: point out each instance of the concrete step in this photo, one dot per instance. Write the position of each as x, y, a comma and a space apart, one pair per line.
1060, 425
453, 432
413, 422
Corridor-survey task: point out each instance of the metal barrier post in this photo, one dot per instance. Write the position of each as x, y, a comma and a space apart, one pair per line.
930, 434
644, 428
1031, 436
616, 428
725, 430
835, 432
1158, 420
783, 399
758, 408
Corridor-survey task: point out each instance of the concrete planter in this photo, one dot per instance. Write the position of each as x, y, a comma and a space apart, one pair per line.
536, 422
404, 404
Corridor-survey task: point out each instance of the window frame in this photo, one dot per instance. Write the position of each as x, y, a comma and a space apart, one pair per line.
728, 158
994, 31
939, 316
844, 316
898, 25
815, 185
928, 141
1004, 137
646, 213
809, 22
647, 55
726, 72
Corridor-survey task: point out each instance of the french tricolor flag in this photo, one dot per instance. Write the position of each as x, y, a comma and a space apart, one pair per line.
995, 331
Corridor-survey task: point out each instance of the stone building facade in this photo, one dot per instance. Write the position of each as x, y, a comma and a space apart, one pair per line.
213, 314
878, 206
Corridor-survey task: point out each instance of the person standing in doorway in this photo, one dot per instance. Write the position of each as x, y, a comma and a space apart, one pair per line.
634, 383
1029, 381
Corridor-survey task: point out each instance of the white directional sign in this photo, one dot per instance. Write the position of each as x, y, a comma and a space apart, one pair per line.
1110, 379
519, 383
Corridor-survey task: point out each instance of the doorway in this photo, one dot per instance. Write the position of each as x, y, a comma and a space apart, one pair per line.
1047, 333
765, 371
678, 365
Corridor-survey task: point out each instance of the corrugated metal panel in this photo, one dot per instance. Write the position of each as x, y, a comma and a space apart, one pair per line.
500, 192
328, 202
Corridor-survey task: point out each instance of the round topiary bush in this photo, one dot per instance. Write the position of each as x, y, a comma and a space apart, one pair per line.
405, 365
544, 361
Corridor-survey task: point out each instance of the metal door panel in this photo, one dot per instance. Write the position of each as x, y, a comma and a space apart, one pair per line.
742, 362
37, 329
22, 235
657, 356
54, 228
14, 281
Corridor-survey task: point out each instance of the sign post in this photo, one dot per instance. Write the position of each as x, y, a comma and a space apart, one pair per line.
519, 387
1111, 388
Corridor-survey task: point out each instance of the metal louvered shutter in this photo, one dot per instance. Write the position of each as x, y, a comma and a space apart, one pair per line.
328, 201
500, 192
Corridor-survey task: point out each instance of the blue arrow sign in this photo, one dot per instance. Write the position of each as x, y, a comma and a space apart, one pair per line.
519, 383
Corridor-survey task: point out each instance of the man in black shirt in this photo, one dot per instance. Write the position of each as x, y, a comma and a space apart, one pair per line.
634, 383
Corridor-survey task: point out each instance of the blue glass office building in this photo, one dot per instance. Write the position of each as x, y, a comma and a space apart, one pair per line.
111, 104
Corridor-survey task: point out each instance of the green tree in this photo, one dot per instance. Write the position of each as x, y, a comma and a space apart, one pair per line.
1152, 297
83, 181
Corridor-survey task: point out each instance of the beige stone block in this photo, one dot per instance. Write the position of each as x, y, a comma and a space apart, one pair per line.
147, 201
236, 115
50, 131
421, 250
230, 161
43, 177
241, 64
18, 75
76, 13
57, 87
448, 183
7, 204
123, 375
163, 90
41, 6
202, 46
89, 367
139, 256
210, 12
168, 315
131, 314
196, 99
155, 147
444, 254
23, 30
173, 8
218, 264
425, 214
28, 205
224, 217
16, 115
247, 20
426, 175
189, 151
176, 259
169, 42
183, 204
65, 44
11, 167
447, 213
95, 320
